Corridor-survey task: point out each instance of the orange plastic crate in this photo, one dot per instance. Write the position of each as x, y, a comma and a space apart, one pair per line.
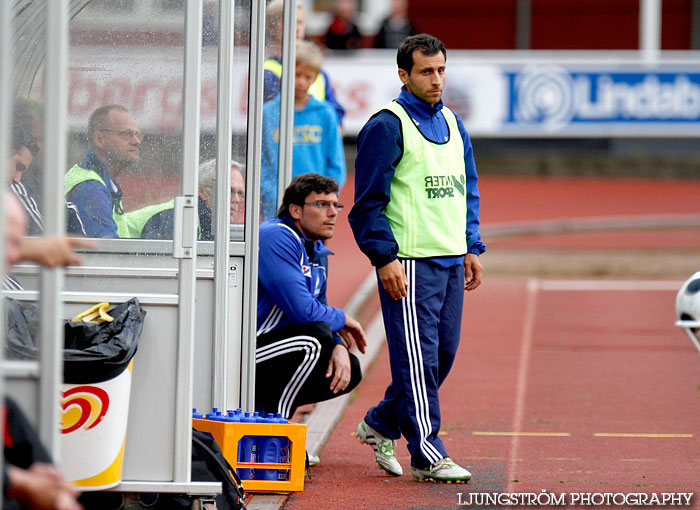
228, 434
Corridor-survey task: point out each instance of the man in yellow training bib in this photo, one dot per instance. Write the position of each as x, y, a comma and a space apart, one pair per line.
416, 217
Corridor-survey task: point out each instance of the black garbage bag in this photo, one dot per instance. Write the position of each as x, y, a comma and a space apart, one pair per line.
22, 329
93, 352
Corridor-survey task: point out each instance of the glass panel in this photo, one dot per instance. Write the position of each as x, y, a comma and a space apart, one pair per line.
207, 127
124, 5
130, 54
274, 29
239, 152
208, 148
27, 126
125, 116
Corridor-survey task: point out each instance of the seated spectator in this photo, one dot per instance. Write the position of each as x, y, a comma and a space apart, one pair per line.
91, 185
27, 148
237, 216
343, 33
317, 144
50, 251
157, 221
395, 27
302, 354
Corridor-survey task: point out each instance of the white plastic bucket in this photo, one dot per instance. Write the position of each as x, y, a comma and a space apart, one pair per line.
93, 431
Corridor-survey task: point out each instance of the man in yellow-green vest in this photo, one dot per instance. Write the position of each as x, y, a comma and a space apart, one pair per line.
416, 217
158, 221
91, 185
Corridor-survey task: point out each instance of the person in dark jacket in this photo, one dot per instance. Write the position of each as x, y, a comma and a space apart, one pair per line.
30, 480
395, 27
343, 33
26, 168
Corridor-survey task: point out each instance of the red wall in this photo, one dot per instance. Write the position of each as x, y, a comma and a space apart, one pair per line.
475, 24
554, 24
584, 24
675, 24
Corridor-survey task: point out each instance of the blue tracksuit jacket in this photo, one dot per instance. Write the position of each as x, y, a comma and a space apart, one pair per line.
380, 147
95, 201
292, 279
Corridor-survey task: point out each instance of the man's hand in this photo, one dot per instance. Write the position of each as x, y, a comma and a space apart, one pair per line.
472, 271
41, 487
393, 277
339, 369
353, 334
53, 251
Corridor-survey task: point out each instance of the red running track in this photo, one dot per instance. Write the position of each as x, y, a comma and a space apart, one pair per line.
535, 198
548, 383
525, 199
565, 365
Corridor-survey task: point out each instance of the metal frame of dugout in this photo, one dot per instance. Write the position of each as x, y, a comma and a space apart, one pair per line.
197, 347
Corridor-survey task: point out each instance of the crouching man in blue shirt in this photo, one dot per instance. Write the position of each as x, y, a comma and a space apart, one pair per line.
302, 354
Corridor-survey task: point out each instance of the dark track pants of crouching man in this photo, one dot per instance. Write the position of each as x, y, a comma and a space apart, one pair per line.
423, 331
291, 365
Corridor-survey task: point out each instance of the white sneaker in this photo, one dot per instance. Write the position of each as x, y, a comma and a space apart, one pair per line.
383, 448
444, 471
313, 459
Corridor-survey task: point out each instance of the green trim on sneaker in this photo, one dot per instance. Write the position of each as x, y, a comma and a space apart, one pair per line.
442, 471
384, 448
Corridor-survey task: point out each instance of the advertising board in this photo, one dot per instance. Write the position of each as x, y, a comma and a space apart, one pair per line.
497, 95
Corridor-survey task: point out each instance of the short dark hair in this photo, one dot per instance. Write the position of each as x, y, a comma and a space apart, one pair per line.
301, 187
97, 119
425, 43
25, 112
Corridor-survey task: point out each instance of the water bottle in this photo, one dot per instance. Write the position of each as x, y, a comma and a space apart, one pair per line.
231, 417
215, 414
284, 448
197, 415
234, 415
247, 451
269, 452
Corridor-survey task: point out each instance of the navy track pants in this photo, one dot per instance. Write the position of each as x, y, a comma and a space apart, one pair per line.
423, 331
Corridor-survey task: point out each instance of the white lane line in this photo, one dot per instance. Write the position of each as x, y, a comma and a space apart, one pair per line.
525, 348
628, 434
521, 434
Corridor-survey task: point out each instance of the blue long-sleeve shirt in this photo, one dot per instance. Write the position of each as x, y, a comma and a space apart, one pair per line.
317, 147
292, 279
272, 83
379, 151
95, 201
